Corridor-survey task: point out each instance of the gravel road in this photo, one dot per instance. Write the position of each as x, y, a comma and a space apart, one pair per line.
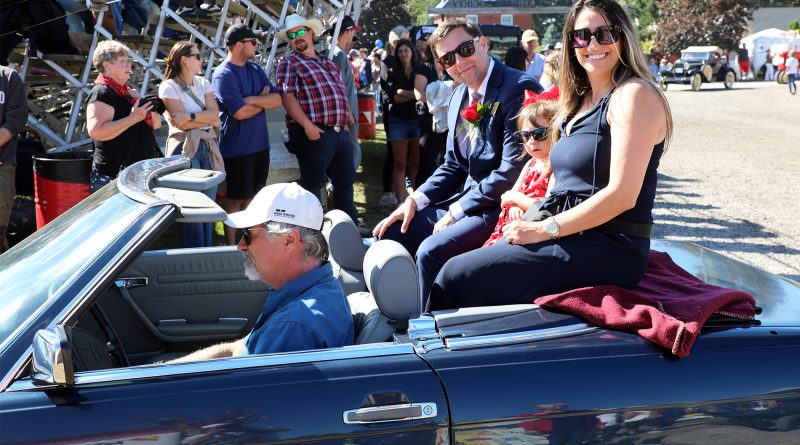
729, 180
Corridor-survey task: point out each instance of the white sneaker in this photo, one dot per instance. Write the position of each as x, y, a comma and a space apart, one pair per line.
388, 201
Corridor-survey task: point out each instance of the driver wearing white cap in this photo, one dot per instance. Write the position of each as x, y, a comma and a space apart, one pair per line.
282, 244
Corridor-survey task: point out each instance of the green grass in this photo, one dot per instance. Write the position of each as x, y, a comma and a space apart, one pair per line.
368, 188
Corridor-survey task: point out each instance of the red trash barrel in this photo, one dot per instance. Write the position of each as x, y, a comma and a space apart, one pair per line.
61, 180
366, 116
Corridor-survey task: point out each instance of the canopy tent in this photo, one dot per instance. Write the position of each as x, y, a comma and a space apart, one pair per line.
774, 39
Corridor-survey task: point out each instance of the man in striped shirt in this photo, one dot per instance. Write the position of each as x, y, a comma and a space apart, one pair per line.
317, 114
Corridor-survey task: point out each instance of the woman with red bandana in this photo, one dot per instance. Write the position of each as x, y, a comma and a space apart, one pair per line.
120, 125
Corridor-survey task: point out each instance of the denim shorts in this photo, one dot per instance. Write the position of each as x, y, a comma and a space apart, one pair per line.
402, 129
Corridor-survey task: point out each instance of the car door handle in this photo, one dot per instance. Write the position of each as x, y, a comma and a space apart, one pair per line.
390, 413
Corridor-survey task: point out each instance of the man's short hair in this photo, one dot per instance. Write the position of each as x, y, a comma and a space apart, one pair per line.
450, 24
314, 243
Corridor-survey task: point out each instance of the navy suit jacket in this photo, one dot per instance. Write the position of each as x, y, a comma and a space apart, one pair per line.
491, 169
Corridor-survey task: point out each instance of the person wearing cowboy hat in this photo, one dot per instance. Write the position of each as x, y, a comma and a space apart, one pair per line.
243, 92
317, 114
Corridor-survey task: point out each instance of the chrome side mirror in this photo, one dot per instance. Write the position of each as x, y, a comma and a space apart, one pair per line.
52, 358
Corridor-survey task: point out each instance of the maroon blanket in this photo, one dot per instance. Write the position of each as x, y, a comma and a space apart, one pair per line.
668, 307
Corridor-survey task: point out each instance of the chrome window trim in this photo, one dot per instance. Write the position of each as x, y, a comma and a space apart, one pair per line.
77, 301
145, 372
134, 182
464, 343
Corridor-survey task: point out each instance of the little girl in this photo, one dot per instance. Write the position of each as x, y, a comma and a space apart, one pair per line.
534, 123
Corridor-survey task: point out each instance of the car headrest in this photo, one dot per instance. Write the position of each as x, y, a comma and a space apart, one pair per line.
344, 241
391, 277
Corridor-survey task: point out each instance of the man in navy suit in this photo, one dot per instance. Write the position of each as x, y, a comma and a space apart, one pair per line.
455, 210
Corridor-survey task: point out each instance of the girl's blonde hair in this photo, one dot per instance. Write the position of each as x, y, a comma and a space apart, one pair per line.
573, 80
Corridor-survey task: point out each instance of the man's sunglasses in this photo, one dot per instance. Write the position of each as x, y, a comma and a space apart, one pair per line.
605, 35
538, 134
298, 33
465, 49
253, 41
246, 235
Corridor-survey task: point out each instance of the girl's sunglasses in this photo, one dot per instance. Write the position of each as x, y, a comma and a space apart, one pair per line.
605, 35
465, 49
538, 134
298, 33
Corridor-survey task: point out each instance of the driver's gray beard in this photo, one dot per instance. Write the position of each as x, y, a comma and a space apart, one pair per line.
250, 270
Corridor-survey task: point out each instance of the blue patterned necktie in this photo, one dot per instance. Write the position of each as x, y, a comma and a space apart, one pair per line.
466, 133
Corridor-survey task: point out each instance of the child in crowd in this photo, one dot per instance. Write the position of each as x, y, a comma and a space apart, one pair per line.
534, 124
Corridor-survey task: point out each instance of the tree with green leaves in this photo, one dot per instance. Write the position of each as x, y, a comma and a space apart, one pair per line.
643, 13
380, 18
419, 10
683, 23
795, 25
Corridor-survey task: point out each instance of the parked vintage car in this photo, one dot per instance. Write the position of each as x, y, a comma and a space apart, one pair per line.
89, 313
698, 65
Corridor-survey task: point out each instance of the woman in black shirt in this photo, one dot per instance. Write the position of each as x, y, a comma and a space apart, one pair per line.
404, 129
121, 127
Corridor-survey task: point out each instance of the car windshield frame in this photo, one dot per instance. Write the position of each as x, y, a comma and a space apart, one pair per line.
34, 273
696, 55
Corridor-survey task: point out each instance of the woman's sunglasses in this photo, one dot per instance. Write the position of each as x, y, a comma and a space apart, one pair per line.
465, 49
295, 34
605, 35
246, 235
196, 56
538, 134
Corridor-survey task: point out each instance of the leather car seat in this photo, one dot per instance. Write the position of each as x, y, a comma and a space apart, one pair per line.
346, 250
393, 297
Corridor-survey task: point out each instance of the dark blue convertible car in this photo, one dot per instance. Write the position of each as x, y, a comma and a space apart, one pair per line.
89, 316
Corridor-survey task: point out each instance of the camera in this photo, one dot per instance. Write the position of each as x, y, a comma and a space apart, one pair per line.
158, 104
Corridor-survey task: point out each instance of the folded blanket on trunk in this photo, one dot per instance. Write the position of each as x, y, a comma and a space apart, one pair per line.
668, 307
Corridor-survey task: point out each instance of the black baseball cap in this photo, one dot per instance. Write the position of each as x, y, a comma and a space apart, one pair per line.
347, 24
239, 32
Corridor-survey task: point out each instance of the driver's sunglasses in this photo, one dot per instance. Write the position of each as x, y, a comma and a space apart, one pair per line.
605, 35
246, 235
295, 34
465, 49
538, 134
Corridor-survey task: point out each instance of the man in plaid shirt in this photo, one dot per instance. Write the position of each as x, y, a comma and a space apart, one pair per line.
317, 114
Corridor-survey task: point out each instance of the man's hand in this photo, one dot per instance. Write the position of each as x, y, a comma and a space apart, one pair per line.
313, 132
405, 212
444, 222
264, 91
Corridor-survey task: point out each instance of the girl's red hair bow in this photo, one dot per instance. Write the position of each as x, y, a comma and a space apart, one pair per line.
531, 97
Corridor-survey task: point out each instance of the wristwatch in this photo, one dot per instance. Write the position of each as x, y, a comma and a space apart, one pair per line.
191, 116
552, 228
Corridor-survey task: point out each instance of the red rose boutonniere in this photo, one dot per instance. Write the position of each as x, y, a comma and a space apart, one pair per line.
474, 113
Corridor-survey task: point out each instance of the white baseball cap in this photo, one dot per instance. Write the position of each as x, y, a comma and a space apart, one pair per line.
286, 203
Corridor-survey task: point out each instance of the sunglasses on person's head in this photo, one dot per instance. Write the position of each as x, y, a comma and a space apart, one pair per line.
605, 35
299, 33
538, 134
244, 234
465, 49
253, 41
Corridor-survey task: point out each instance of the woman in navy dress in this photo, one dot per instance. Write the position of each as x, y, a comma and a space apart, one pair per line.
613, 127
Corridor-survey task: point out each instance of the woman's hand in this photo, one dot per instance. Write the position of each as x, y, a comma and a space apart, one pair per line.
178, 119
525, 232
139, 112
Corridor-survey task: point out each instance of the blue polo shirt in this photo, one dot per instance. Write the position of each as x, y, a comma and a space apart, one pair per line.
232, 83
309, 312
